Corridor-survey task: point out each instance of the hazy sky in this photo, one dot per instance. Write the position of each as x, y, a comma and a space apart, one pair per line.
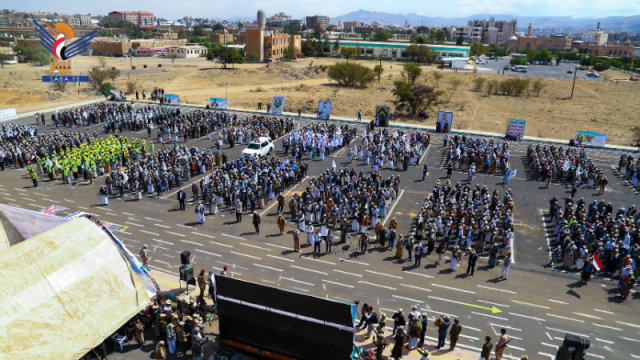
231, 10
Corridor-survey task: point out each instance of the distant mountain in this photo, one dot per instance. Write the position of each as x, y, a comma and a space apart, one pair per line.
566, 23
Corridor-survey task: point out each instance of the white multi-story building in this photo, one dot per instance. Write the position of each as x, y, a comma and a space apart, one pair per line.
377, 24
281, 18
487, 31
595, 37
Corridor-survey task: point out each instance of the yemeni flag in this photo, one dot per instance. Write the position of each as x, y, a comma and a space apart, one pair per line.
596, 262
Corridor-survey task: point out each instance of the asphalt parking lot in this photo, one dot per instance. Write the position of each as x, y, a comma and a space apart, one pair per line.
548, 71
536, 304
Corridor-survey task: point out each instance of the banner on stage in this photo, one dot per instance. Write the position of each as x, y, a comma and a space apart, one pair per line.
172, 99
591, 138
445, 118
8, 114
324, 110
218, 103
516, 127
382, 115
278, 105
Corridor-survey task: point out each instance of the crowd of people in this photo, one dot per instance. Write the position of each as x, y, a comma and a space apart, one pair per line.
628, 169
550, 163
387, 150
592, 238
476, 155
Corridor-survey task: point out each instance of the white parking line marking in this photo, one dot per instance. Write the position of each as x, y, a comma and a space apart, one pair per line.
534, 305
339, 284
630, 339
164, 226
235, 237
587, 315
604, 311
254, 246
528, 317
318, 260
249, 256
565, 318
280, 258
220, 244
628, 324
450, 288
570, 332
347, 273
493, 303
505, 326
355, 262
383, 274
126, 213
278, 246
205, 235
496, 289
132, 223
408, 299
605, 341
208, 253
268, 267
152, 219
377, 285
191, 242
559, 302
608, 327
162, 241
149, 232
416, 287
418, 274
297, 281
174, 233
310, 270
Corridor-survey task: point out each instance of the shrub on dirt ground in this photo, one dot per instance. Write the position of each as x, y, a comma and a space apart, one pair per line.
537, 85
351, 74
106, 87
478, 82
131, 86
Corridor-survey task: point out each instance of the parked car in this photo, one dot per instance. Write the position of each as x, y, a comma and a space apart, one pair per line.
263, 147
570, 71
507, 67
544, 63
592, 74
580, 67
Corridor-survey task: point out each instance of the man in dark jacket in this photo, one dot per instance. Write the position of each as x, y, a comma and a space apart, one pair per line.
181, 198
443, 325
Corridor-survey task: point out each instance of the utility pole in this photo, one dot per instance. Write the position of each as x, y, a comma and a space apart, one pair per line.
575, 74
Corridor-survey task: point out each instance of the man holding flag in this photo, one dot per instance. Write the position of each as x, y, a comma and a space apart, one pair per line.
590, 267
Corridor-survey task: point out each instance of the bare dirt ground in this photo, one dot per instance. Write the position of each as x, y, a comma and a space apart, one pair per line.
603, 106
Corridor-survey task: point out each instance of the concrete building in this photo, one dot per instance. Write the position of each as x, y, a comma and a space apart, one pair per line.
220, 37
611, 50
280, 17
555, 42
187, 52
140, 18
396, 50
5, 21
313, 21
73, 21
268, 45
261, 21
377, 24
348, 25
595, 37
488, 31
109, 47
165, 35
154, 43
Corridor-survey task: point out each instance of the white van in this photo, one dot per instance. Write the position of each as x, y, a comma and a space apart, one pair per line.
519, 68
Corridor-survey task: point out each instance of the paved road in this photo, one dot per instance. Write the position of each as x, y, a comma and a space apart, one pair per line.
537, 304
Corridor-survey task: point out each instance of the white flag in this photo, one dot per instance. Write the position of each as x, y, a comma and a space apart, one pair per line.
333, 164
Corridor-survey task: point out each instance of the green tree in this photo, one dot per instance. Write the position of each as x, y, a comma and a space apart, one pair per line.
460, 40
276, 24
381, 35
351, 74
97, 77
198, 30
218, 27
415, 99
411, 72
378, 69
477, 49
347, 52
224, 55
308, 47
422, 29
440, 36
293, 28
253, 56
418, 53
288, 53
109, 24
318, 31
3, 57
600, 66
336, 45
106, 87
438, 76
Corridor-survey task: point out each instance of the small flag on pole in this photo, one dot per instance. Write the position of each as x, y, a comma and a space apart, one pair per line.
333, 164
596, 262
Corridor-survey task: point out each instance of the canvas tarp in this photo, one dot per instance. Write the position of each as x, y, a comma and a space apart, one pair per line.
63, 292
